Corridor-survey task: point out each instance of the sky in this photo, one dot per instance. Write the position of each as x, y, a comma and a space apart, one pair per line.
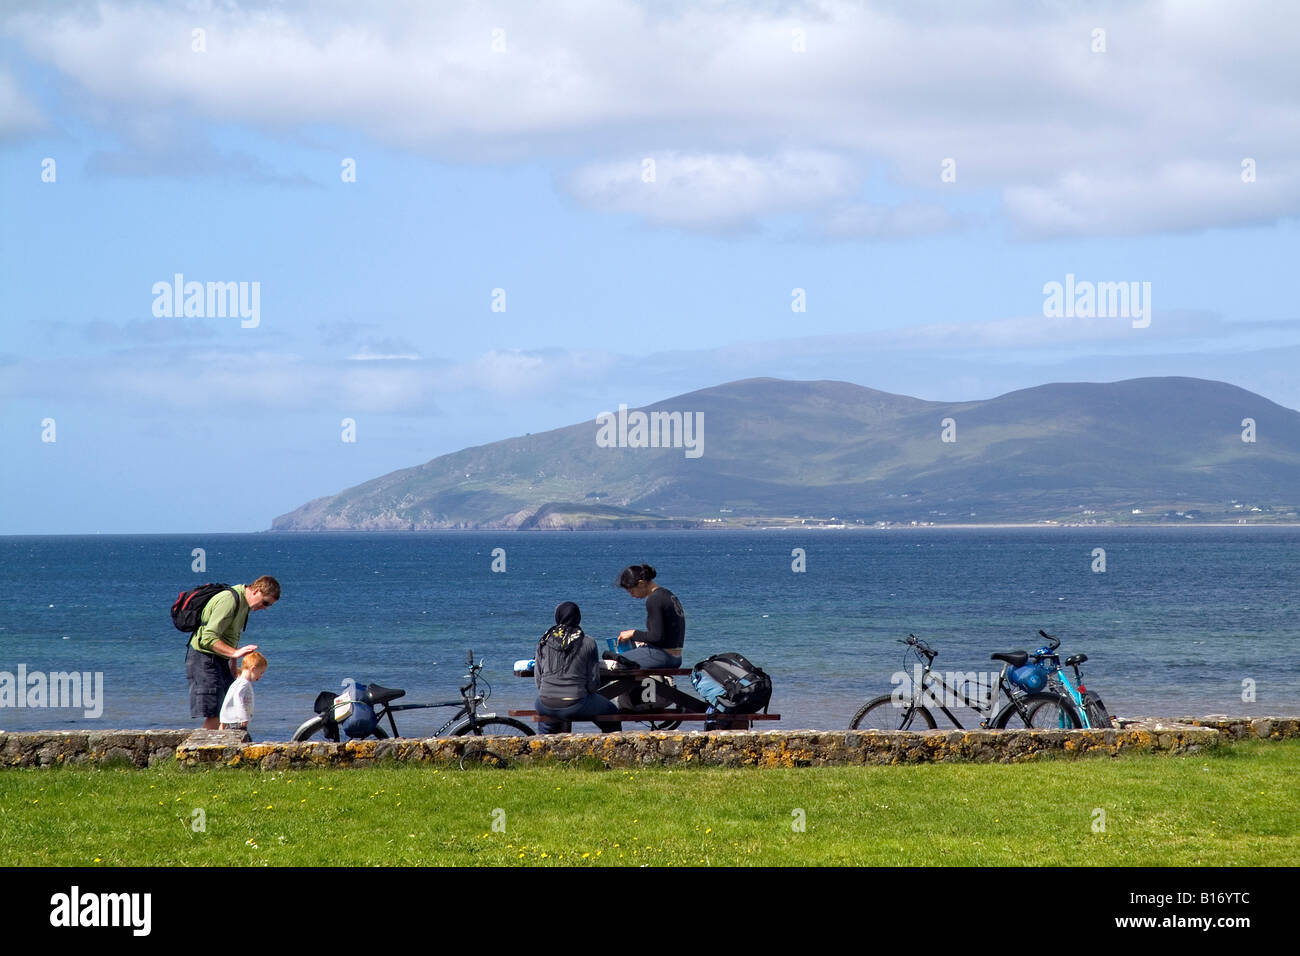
467, 221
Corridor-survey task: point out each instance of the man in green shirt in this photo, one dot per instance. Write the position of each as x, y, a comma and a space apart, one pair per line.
215, 646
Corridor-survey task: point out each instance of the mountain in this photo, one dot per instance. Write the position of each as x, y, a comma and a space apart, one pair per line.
774, 451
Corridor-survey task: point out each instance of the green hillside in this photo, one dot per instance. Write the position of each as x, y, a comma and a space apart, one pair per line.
772, 451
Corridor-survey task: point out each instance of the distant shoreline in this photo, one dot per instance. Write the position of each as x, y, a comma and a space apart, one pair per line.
1004, 526
992, 526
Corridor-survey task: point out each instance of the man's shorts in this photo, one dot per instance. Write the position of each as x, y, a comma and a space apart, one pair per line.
209, 678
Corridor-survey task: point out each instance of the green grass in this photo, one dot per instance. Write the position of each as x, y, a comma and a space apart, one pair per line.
1233, 806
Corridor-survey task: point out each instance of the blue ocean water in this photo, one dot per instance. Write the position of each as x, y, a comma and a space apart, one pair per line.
1179, 620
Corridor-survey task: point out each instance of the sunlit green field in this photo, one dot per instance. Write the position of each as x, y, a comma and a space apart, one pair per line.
1233, 806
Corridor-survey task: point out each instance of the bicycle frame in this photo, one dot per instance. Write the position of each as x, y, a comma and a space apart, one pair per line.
462, 710
466, 708
1059, 676
985, 709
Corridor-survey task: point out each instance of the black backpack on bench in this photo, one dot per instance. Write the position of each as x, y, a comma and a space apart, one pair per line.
731, 684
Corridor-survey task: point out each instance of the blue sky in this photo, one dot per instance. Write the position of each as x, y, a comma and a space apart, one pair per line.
798, 145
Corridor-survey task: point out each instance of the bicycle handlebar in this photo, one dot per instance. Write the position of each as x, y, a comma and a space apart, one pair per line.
920, 645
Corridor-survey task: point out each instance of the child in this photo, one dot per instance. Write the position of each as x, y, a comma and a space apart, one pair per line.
237, 708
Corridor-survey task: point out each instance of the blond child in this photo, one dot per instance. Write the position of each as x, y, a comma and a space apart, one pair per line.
237, 708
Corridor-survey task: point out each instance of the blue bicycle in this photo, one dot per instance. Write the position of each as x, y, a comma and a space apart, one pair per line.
1088, 708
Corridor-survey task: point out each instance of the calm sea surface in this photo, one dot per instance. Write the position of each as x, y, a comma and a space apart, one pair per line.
1180, 619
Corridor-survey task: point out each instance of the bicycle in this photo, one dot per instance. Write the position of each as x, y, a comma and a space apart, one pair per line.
1023, 709
471, 720
1088, 708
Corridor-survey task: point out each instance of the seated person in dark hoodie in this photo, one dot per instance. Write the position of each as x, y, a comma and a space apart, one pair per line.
567, 674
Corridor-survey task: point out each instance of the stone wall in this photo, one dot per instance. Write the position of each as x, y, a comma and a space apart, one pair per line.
732, 748
138, 748
772, 748
1243, 728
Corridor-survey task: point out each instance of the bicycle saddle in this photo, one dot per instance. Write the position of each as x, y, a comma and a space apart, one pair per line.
1014, 658
1076, 659
375, 694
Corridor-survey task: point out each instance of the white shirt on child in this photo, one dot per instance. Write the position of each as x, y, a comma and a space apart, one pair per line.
237, 708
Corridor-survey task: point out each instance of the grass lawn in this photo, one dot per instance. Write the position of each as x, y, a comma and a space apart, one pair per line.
1234, 806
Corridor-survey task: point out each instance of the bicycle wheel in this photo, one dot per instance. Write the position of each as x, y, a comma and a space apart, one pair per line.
1041, 712
1098, 715
884, 713
311, 728
662, 724
492, 727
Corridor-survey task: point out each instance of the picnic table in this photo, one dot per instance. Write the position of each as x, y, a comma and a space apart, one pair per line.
669, 705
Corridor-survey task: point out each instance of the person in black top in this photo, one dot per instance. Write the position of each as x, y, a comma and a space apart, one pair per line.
660, 644
567, 674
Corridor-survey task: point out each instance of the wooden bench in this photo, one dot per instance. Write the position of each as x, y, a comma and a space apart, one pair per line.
638, 717
618, 681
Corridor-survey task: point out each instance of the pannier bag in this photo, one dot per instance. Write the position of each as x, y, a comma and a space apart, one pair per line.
353, 712
1031, 677
731, 684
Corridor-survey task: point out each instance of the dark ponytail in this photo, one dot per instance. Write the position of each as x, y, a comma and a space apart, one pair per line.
634, 574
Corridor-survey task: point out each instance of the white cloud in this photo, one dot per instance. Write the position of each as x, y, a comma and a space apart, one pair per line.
1172, 197
715, 191
877, 221
1145, 137
499, 390
515, 371
373, 379
18, 114
385, 350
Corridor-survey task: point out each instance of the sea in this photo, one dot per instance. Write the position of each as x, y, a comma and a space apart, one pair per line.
1181, 621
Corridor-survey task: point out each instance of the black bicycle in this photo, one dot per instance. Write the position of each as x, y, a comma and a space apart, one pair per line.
468, 718
910, 709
